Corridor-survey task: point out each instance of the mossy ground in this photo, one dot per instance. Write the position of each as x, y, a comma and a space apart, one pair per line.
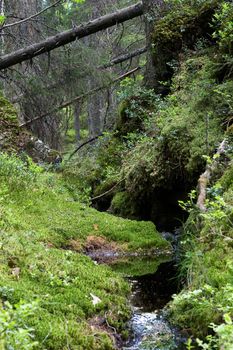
39, 220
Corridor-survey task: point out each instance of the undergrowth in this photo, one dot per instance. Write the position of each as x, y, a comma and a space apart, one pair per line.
205, 306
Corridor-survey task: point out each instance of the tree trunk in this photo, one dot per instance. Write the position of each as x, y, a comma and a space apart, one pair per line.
152, 10
68, 36
77, 127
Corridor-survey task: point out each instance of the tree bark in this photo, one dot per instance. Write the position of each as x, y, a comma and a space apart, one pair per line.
153, 10
68, 36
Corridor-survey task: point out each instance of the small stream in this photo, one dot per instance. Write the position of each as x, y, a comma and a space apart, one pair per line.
150, 294
153, 282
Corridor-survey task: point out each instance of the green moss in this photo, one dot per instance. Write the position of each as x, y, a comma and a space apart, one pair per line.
179, 30
7, 112
37, 223
226, 180
182, 20
122, 205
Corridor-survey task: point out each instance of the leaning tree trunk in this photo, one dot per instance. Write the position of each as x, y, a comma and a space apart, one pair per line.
68, 36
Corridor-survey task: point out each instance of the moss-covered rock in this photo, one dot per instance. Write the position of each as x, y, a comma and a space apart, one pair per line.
12, 139
122, 205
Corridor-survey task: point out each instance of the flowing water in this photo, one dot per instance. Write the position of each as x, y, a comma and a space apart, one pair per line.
150, 294
153, 282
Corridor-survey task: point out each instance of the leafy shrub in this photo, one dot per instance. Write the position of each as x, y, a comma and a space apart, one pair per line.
223, 21
16, 174
14, 332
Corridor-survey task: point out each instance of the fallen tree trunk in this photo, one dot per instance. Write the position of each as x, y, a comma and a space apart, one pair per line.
68, 36
80, 97
205, 177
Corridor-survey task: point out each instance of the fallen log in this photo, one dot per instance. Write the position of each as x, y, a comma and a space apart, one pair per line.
68, 36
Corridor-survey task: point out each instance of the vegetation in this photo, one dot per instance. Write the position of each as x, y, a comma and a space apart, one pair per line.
150, 142
46, 281
207, 262
166, 142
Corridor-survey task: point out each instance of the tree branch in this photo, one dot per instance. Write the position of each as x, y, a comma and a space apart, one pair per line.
31, 17
78, 98
84, 144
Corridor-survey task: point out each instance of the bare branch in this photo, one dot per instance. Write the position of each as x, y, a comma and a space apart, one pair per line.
31, 17
80, 97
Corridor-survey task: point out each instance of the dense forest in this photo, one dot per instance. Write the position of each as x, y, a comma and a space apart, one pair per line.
116, 169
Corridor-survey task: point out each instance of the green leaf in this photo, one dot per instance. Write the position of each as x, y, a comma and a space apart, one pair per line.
227, 319
2, 19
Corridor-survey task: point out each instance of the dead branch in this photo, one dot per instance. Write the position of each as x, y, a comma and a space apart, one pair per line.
205, 177
30, 17
107, 192
84, 144
80, 97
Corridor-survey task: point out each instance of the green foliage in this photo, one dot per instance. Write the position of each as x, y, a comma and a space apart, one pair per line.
163, 142
206, 262
179, 129
2, 19
223, 22
14, 332
15, 174
137, 105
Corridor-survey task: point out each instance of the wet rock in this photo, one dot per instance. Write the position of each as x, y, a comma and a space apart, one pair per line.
40, 152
